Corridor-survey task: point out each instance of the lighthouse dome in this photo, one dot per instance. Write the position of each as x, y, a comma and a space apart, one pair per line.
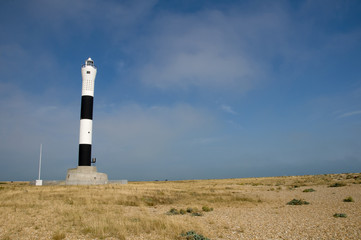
89, 62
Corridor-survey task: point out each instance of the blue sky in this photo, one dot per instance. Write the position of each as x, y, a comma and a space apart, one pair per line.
185, 89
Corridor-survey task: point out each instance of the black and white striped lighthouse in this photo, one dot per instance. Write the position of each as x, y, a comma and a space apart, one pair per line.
88, 73
85, 174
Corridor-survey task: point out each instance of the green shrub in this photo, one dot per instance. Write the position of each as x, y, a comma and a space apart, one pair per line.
189, 210
348, 199
309, 190
173, 211
340, 184
340, 215
298, 202
207, 209
192, 235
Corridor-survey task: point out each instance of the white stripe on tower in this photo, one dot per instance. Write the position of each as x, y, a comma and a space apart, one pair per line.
88, 73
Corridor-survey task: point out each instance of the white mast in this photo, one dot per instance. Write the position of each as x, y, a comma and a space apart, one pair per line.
41, 150
39, 182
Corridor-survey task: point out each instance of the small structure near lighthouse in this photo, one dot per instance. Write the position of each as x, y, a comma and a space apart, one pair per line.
85, 174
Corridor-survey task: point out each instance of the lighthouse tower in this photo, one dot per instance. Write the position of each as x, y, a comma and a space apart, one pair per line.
88, 73
85, 174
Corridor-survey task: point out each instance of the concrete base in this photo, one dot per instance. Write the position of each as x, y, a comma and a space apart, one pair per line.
85, 175
38, 182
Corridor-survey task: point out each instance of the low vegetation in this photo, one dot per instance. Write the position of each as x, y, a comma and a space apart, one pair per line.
309, 190
298, 202
348, 199
192, 211
173, 211
192, 235
338, 184
340, 215
207, 209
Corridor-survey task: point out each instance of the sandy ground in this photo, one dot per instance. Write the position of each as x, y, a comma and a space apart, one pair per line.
268, 217
274, 219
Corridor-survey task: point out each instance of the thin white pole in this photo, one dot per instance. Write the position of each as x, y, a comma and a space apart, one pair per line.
41, 150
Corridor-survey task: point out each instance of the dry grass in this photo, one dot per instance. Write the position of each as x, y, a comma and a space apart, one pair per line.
138, 210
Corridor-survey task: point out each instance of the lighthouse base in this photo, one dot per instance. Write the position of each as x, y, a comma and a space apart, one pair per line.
85, 175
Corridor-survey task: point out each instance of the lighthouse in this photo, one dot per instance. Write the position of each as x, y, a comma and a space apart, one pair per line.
88, 74
85, 174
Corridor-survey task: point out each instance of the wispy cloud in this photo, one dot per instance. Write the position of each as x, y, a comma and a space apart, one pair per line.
203, 50
228, 109
150, 133
128, 134
349, 114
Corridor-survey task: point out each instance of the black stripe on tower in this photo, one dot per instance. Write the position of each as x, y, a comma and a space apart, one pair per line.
86, 107
85, 151
86, 112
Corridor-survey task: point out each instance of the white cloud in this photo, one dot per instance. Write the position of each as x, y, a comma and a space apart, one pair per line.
228, 109
205, 50
147, 134
349, 114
